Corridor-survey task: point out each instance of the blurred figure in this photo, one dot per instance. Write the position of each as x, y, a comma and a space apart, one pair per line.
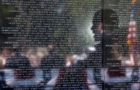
72, 77
2, 66
20, 74
106, 60
2, 62
50, 47
44, 61
21, 65
51, 62
69, 60
105, 22
34, 60
5, 52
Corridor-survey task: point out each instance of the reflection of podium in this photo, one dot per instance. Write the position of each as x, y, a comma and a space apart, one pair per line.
115, 69
115, 75
116, 72
24, 74
14, 82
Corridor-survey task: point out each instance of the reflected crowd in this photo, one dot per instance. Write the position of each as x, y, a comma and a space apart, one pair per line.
52, 71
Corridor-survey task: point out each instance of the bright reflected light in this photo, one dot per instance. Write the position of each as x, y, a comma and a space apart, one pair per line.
92, 49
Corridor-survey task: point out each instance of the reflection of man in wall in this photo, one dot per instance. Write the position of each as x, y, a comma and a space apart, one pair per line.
105, 21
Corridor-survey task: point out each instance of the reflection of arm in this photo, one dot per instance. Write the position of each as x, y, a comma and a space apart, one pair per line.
2, 62
80, 57
125, 61
85, 54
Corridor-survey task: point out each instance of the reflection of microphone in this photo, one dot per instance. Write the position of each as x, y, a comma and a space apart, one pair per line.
89, 49
84, 55
92, 49
75, 58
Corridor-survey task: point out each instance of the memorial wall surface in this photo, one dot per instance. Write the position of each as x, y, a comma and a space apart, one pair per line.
69, 45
